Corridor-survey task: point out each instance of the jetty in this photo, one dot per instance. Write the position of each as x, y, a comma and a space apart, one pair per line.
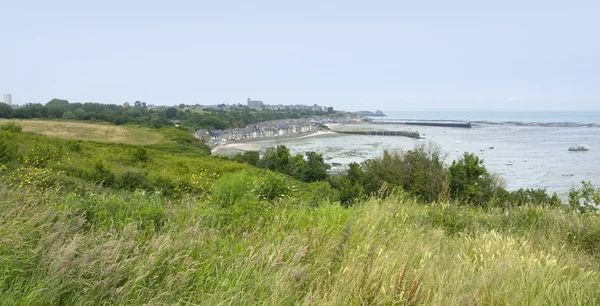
411, 134
426, 123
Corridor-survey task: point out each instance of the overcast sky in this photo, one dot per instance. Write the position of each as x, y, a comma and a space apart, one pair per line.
389, 55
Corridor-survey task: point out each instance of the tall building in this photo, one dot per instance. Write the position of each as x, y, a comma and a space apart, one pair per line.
8, 99
255, 104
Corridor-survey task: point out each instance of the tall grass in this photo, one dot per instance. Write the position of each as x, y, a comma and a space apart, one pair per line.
390, 251
89, 223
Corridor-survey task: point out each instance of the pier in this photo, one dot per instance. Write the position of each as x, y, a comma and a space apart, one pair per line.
410, 134
427, 123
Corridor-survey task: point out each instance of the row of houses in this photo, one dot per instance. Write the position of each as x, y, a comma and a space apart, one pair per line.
273, 130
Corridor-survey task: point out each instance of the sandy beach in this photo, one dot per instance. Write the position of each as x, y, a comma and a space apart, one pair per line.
239, 146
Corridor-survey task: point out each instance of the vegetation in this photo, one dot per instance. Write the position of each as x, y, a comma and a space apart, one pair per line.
94, 131
140, 114
103, 223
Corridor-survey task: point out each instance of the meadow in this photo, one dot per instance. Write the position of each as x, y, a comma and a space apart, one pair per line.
85, 222
98, 131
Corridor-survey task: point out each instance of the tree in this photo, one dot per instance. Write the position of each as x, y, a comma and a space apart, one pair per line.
355, 174
69, 116
251, 157
137, 104
330, 110
6, 110
470, 181
171, 112
315, 168
57, 107
181, 106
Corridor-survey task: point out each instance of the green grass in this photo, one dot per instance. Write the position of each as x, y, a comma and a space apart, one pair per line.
101, 132
379, 252
198, 230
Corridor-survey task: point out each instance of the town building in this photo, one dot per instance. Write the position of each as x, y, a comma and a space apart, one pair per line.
8, 99
255, 104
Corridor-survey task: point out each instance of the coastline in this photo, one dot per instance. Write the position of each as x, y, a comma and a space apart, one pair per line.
240, 146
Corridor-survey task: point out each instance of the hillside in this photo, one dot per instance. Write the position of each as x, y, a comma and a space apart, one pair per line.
86, 222
102, 132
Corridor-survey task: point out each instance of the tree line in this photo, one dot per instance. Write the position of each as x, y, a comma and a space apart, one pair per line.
140, 114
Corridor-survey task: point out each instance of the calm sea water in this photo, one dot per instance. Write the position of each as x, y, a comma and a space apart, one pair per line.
529, 148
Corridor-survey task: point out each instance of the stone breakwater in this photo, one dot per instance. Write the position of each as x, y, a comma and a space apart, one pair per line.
411, 134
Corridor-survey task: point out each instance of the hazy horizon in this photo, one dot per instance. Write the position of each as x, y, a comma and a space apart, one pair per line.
386, 55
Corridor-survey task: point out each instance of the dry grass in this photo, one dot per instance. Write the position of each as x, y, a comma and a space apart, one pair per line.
101, 132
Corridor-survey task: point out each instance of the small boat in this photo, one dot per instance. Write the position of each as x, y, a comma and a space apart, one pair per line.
579, 148
509, 163
491, 148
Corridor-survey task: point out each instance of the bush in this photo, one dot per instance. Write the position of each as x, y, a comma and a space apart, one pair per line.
102, 174
132, 180
470, 181
271, 187
585, 199
12, 127
9, 150
419, 171
349, 192
232, 188
141, 155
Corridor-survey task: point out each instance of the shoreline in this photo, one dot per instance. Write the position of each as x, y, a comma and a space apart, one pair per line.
240, 146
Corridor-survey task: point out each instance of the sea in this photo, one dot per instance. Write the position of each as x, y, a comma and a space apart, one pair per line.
526, 149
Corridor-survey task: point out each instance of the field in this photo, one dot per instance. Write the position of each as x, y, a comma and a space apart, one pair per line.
101, 132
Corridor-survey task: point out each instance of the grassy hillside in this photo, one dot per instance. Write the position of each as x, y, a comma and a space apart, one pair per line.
195, 229
394, 251
102, 132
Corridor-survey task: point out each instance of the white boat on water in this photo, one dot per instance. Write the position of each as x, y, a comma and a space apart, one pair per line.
579, 148
509, 163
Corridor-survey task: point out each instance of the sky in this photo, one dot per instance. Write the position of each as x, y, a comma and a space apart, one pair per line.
352, 55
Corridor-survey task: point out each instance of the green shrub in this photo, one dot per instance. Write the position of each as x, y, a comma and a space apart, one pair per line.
232, 188
419, 171
272, 186
102, 174
41, 155
132, 180
140, 155
9, 149
584, 199
75, 145
470, 181
12, 127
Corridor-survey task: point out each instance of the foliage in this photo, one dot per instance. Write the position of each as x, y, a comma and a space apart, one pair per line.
139, 248
419, 171
272, 186
117, 212
184, 228
233, 188
470, 181
6, 111
9, 149
315, 168
11, 127
585, 199
140, 114
280, 160
140, 155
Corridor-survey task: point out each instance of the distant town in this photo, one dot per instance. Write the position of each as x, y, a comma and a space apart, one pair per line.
272, 128
253, 104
